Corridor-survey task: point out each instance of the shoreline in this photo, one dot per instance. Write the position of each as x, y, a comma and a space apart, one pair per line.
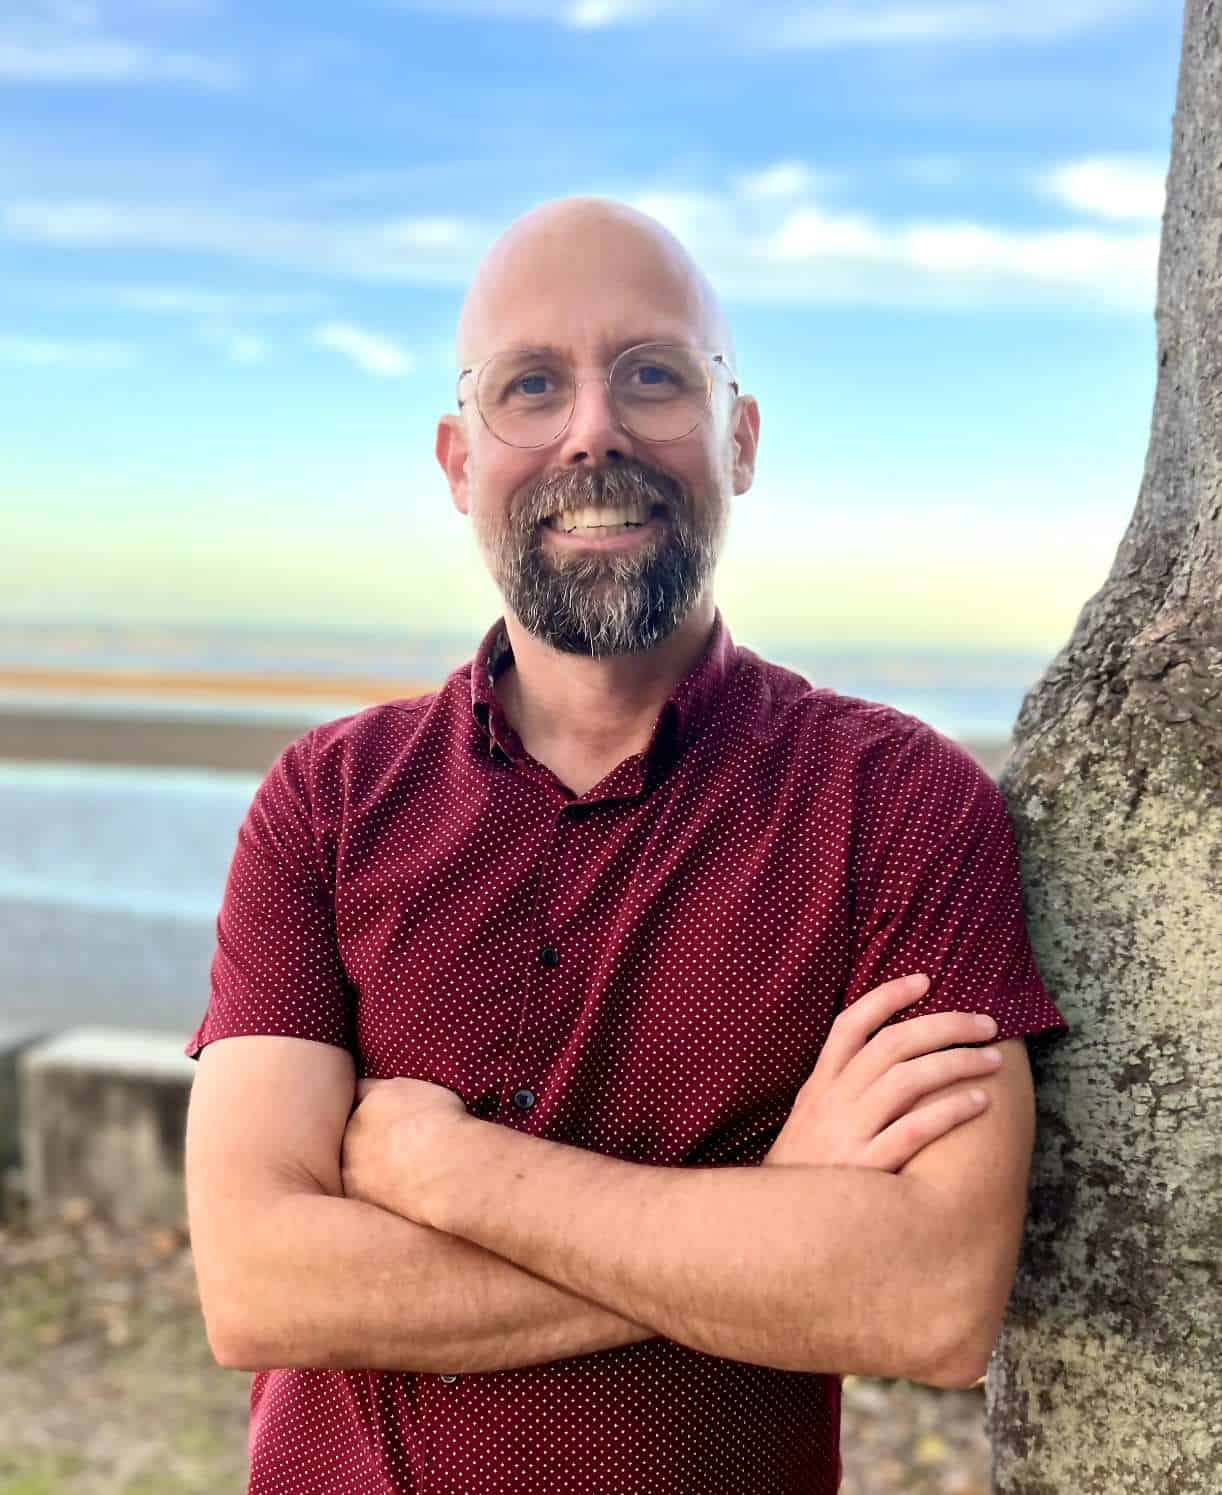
166, 685
224, 722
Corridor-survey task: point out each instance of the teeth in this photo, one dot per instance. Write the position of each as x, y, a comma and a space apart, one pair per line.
572, 519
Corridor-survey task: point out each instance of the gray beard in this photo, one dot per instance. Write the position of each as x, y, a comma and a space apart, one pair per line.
599, 604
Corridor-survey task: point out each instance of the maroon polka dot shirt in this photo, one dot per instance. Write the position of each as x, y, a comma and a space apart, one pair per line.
647, 970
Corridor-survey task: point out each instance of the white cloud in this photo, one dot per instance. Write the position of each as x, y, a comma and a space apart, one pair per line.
167, 299
965, 261
426, 233
778, 246
426, 251
244, 347
784, 179
786, 24
1109, 264
50, 352
783, 248
810, 234
1117, 188
577, 14
370, 351
201, 301
96, 60
867, 23
686, 214
237, 345
590, 15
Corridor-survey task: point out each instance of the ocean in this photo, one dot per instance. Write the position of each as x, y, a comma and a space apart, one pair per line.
966, 694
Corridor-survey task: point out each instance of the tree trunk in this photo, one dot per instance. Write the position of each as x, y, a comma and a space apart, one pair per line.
1108, 1374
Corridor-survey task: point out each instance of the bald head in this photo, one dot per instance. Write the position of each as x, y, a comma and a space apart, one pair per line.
587, 268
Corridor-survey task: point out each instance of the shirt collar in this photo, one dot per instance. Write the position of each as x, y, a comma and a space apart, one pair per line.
692, 703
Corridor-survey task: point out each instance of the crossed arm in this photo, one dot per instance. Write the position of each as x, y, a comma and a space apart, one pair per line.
813, 1268
521, 1250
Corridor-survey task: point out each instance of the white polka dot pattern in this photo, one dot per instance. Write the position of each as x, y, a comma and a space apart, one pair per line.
648, 970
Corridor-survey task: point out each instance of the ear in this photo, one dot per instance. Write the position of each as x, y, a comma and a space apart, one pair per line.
452, 452
744, 440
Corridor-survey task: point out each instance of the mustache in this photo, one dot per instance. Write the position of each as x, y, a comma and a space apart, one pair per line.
578, 487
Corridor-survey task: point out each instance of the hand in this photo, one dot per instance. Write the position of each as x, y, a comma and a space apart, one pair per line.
398, 1142
859, 1107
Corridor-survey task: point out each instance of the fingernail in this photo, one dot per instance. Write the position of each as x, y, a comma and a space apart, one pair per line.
985, 1023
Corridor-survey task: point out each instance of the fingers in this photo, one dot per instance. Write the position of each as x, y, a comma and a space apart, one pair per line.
903, 1139
903, 1085
919, 1035
853, 1027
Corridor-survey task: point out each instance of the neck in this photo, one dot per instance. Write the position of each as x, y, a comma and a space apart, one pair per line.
566, 706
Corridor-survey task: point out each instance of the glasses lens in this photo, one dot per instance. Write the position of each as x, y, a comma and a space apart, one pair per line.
661, 390
525, 398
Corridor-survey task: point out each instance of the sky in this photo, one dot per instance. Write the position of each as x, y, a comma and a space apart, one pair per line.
234, 241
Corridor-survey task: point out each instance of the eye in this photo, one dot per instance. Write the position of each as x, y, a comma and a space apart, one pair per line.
657, 379
521, 383
530, 384
654, 373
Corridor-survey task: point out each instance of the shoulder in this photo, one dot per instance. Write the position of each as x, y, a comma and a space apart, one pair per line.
879, 742
895, 773
343, 760
374, 729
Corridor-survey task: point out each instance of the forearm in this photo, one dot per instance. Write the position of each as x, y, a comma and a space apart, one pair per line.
338, 1284
841, 1270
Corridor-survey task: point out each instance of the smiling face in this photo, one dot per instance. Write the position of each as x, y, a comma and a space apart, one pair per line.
600, 542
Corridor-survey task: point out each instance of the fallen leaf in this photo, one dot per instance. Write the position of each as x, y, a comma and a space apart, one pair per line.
931, 1449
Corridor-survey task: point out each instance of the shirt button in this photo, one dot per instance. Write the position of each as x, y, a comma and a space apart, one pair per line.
449, 1380
550, 956
524, 1099
486, 1105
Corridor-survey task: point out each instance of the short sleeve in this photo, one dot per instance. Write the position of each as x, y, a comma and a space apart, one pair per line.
937, 889
276, 968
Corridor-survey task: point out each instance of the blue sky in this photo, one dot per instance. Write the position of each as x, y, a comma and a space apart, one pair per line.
234, 242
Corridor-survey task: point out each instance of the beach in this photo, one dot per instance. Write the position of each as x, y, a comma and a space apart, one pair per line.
229, 722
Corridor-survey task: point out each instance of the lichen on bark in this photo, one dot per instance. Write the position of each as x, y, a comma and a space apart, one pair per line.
1108, 1373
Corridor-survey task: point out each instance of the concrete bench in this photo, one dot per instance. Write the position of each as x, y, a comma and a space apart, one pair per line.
102, 1117
15, 1040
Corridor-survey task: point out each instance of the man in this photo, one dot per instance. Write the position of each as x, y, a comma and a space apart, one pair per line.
665, 976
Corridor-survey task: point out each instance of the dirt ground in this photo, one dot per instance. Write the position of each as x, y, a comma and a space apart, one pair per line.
107, 1385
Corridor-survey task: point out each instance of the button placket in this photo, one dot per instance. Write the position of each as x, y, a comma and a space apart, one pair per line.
531, 1055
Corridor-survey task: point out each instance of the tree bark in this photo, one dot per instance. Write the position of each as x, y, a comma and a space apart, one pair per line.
1108, 1374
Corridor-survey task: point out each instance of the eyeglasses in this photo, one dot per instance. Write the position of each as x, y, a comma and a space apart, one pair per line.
660, 392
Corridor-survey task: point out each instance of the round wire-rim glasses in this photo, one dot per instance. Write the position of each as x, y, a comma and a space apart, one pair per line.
709, 359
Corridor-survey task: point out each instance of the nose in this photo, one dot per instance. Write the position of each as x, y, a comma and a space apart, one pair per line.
594, 434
